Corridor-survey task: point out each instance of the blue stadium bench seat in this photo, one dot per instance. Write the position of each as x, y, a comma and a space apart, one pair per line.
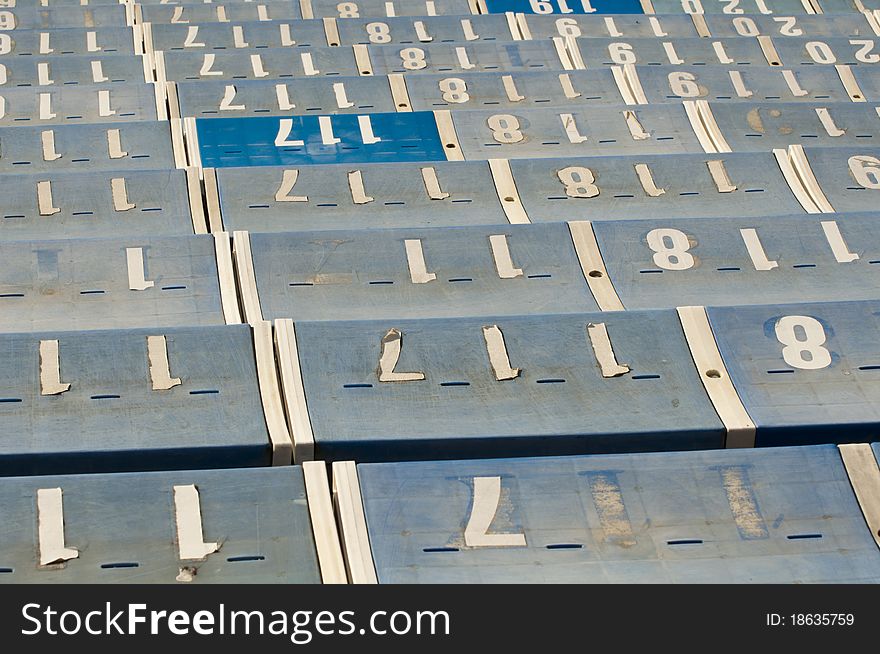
596, 52
422, 29
459, 193
98, 69
781, 515
124, 400
566, 7
117, 147
778, 7
473, 56
36, 17
112, 283
386, 8
797, 24
281, 64
323, 95
54, 4
805, 372
241, 37
527, 133
834, 179
412, 273
758, 84
827, 50
98, 204
304, 96
641, 186
679, 26
732, 261
232, 12
55, 105
629, 26
189, 527
577, 89
441, 135
388, 195
744, 127
313, 139
69, 41
493, 386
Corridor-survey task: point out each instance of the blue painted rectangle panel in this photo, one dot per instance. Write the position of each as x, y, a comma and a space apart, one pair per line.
781, 515
227, 142
876, 448
111, 419
806, 373
563, 7
558, 403
124, 530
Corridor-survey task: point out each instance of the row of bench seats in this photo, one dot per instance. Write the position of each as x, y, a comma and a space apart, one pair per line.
482, 385
660, 191
470, 193
318, 34
786, 515
502, 269
32, 15
443, 135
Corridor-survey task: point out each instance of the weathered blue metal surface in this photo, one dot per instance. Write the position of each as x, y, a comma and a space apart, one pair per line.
782, 515
609, 188
396, 195
85, 147
112, 419
123, 528
367, 274
731, 261
558, 402
84, 284
806, 373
